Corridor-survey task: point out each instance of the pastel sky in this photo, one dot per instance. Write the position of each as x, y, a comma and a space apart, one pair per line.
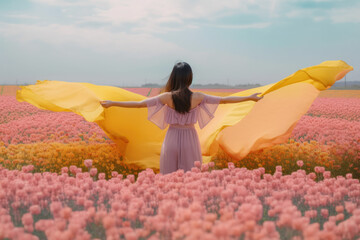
132, 42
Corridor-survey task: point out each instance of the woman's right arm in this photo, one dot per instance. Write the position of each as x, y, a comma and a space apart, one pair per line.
236, 99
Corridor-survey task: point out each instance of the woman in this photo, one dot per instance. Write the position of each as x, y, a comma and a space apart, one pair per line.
237, 129
179, 107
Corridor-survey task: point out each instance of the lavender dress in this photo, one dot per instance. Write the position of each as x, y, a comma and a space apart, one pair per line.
181, 146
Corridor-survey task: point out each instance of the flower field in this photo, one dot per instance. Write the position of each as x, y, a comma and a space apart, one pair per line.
62, 178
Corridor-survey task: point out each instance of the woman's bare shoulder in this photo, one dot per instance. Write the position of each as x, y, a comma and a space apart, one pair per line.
165, 97
197, 98
198, 95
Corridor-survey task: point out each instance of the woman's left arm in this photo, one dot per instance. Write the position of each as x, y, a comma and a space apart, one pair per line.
135, 104
126, 104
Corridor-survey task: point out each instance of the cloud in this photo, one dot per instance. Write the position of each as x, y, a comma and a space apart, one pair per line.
244, 26
348, 15
118, 12
62, 3
156, 15
334, 11
152, 15
21, 16
99, 39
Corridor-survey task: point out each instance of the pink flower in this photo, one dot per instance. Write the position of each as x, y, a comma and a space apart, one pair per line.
205, 167
35, 209
329, 226
267, 177
311, 213
131, 236
300, 223
93, 172
88, 204
221, 230
73, 169
278, 168
88, 163
131, 178
339, 208
269, 226
101, 176
277, 174
312, 176
211, 164
114, 174
27, 219
348, 175
326, 174
340, 217
55, 207
231, 165
197, 164
108, 222
28, 168
116, 206
311, 230
300, 163
350, 207
324, 213
66, 212
80, 201
64, 170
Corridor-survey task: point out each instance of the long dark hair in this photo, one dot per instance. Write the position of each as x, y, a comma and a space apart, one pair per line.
178, 84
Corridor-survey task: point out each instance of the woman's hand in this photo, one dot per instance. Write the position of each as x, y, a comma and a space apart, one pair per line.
254, 97
106, 104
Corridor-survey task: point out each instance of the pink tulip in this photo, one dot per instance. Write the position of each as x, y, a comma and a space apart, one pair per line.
197, 164
93, 172
324, 213
73, 169
340, 217
326, 174
35, 210
339, 209
88, 163
348, 175
27, 219
101, 176
66, 213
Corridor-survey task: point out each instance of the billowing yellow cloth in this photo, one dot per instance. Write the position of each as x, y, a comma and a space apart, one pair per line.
238, 128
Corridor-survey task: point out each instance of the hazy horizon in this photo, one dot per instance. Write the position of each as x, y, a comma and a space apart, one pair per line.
132, 43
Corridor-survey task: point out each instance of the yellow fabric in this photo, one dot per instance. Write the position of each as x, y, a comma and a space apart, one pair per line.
237, 128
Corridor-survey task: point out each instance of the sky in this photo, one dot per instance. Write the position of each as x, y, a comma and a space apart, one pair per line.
133, 42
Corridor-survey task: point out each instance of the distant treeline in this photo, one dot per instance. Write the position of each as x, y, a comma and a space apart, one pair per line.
211, 85
351, 85
346, 85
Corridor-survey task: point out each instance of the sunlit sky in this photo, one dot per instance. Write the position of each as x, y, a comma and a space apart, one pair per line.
129, 43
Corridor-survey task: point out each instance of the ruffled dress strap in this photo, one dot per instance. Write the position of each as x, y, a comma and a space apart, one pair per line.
156, 112
207, 108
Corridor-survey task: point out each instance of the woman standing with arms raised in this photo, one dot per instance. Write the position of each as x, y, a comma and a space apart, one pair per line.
180, 108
